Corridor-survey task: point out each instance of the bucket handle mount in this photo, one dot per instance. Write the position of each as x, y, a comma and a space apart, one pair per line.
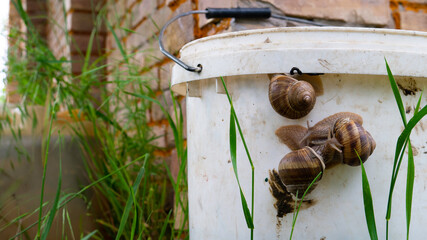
247, 13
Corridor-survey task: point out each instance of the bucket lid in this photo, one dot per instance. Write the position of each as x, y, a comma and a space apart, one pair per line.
312, 49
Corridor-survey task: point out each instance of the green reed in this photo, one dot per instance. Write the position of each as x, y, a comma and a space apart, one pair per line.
403, 141
129, 183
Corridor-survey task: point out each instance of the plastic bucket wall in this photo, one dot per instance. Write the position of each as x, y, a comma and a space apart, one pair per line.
355, 80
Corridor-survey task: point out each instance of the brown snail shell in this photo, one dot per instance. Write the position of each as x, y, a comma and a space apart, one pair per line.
296, 136
291, 98
327, 141
299, 168
353, 137
320, 131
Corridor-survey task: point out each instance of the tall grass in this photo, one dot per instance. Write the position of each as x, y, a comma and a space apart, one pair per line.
131, 186
249, 215
402, 142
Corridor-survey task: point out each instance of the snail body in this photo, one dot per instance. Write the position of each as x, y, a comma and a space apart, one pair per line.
299, 168
291, 98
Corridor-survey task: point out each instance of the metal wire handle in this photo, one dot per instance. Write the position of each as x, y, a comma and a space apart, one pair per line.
259, 13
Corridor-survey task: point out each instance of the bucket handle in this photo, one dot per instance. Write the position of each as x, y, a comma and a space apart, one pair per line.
248, 13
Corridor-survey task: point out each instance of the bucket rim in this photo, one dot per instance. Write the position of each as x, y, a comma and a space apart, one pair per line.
336, 50
306, 29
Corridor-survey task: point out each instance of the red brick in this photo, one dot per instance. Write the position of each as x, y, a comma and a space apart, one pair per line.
170, 138
130, 3
184, 114
156, 111
12, 95
418, 1
85, 5
413, 21
161, 3
142, 9
351, 11
152, 52
77, 63
137, 60
175, 163
32, 6
159, 132
82, 22
80, 42
179, 32
151, 79
114, 59
165, 75
149, 27
116, 12
134, 41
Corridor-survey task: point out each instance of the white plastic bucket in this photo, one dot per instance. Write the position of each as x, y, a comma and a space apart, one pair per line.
355, 80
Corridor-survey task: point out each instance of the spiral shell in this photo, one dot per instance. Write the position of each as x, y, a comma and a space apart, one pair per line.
320, 131
291, 98
299, 168
353, 138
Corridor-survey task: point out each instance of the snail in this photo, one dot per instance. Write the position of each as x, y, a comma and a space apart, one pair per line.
299, 168
319, 132
353, 138
291, 98
334, 138
296, 136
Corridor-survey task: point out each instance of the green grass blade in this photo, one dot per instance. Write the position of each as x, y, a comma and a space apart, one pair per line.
396, 94
417, 108
294, 219
247, 154
409, 187
118, 43
367, 202
407, 131
70, 226
396, 162
410, 177
88, 51
20, 217
130, 200
87, 237
128, 30
74, 195
246, 211
52, 212
401, 141
400, 146
165, 224
234, 119
233, 153
44, 171
168, 117
233, 143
